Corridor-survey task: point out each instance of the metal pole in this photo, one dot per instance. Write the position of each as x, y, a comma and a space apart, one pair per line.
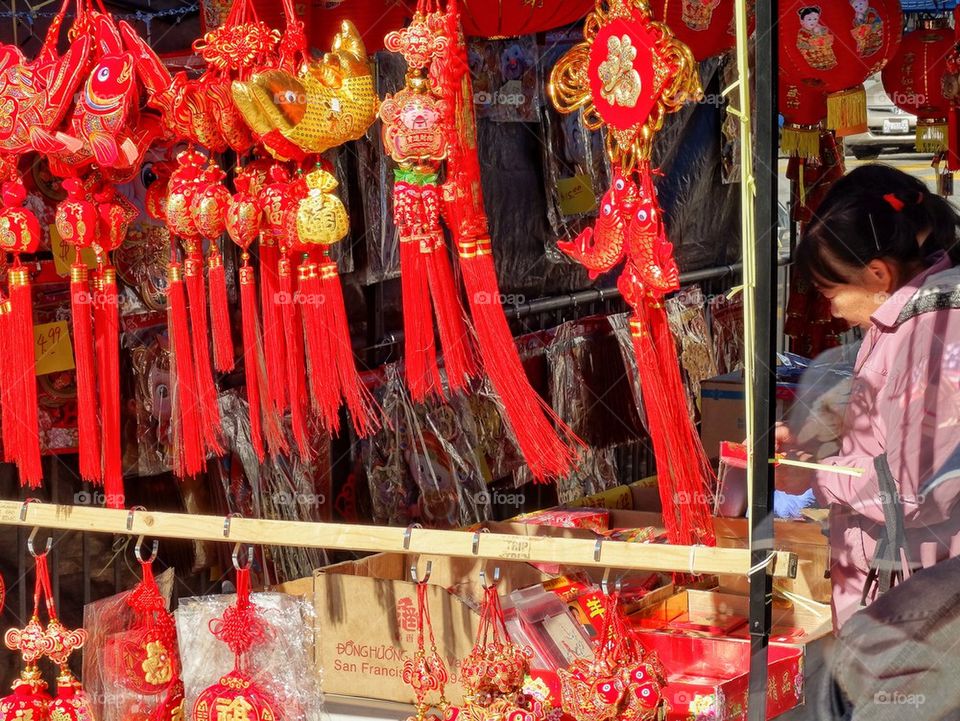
764, 375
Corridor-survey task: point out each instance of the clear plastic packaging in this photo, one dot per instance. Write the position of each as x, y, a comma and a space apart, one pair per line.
688, 322
282, 664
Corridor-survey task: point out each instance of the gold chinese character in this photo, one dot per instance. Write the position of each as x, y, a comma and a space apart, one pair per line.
237, 709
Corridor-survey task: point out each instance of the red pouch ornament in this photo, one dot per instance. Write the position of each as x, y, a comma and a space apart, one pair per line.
621, 682
237, 695
143, 661
626, 75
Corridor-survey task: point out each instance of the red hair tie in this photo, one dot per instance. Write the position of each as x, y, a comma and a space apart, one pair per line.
894, 202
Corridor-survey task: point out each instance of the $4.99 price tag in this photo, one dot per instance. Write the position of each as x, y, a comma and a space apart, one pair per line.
52, 347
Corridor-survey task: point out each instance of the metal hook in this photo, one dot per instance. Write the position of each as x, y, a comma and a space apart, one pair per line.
596, 550
23, 508
426, 577
617, 585
226, 523
33, 535
130, 517
138, 550
406, 535
476, 540
236, 557
496, 578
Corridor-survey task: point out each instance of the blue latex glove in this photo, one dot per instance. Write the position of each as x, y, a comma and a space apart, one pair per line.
786, 505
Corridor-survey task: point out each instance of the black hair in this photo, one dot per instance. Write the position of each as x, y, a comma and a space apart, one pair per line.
809, 10
876, 212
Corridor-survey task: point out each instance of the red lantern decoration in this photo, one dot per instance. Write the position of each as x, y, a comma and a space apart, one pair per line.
507, 18
707, 27
834, 46
914, 81
803, 108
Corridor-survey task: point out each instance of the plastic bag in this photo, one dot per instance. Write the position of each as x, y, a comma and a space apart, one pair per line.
688, 322
726, 317
282, 664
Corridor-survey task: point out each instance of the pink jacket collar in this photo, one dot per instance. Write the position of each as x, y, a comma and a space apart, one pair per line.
888, 314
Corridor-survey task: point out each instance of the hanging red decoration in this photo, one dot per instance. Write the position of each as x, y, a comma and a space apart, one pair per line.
508, 18
705, 26
372, 18
914, 80
425, 672
834, 47
626, 75
804, 108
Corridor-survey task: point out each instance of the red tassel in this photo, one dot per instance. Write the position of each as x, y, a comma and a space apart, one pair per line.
355, 394
107, 314
200, 329
296, 365
694, 476
324, 380
248, 309
273, 345
419, 349
23, 375
7, 395
188, 445
547, 444
88, 430
219, 313
458, 358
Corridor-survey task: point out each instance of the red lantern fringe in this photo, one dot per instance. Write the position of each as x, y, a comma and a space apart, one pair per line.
188, 444
273, 341
296, 363
7, 395
419, 349
337, 334
219, 313
23, 376
547, 444
458, 358
91, 468
248, 309
206, 388
324, 386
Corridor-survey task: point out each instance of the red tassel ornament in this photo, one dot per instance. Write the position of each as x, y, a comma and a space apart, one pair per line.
200, 329
107, 319
223, 359
296, 360
7, 389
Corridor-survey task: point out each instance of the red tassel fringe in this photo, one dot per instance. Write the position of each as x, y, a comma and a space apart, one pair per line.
7, 395
107, 315
359, 402
219, 313
188, 445
419, 349
88, 429
273, 341
324, 380
23, 376
248, 309
206, 389
458, 357
296, 364
547, 444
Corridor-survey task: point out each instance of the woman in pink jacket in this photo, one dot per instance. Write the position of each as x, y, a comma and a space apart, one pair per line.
883, 250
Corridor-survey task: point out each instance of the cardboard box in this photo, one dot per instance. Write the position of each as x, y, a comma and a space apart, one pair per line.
723, 410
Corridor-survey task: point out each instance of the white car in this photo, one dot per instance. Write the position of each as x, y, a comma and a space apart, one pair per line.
890, 128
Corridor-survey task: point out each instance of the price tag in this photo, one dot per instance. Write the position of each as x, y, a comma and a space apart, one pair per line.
64, 254
576, 195
52, 347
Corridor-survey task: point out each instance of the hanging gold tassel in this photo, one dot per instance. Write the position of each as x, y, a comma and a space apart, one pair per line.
800, 141
847, 111
931, 136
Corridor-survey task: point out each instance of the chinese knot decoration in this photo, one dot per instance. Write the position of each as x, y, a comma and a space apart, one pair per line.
426, 671
626, 75
238, 695
494, 671
621, 682
55, 641
429, 129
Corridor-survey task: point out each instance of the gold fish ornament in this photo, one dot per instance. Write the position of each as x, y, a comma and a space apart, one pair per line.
328, 103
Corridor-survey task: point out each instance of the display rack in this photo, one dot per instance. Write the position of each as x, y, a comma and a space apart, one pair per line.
698, 560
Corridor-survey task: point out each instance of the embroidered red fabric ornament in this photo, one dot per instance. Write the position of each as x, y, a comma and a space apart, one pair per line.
237, 695
636, 72
621, 682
